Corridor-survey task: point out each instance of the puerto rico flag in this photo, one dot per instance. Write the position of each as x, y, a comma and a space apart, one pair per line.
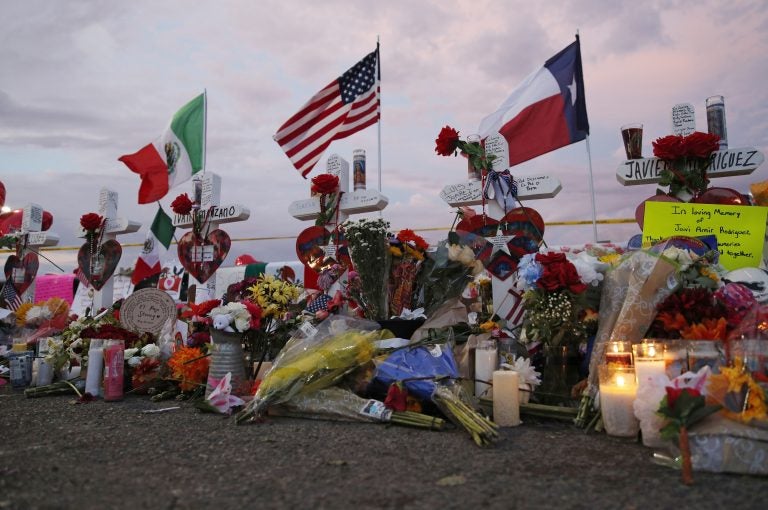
546, 111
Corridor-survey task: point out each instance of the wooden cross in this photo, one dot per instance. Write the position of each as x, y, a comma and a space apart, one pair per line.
531, 187
114, 226
207, 193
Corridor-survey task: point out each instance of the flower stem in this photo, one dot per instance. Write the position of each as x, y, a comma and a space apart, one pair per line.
685, 452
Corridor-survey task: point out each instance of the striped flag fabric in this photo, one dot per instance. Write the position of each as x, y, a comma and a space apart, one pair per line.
173, 158
11, 298
148, 263
345, 106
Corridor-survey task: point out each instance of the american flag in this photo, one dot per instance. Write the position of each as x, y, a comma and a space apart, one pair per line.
347, 105
11, 298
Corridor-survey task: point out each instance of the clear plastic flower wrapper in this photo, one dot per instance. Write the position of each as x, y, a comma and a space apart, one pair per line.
631, 292
340, 404
315, 359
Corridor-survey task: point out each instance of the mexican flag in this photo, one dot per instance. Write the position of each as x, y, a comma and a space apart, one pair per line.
174, 157
160, 232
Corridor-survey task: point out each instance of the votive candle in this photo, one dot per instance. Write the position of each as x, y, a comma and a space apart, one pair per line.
617, 395
649, 361
618, 353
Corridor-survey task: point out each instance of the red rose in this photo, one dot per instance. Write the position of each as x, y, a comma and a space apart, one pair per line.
546, 259
91, 221
182, 205
447, 141
674, 393
561, 275
668, 147
700, 145
325, 184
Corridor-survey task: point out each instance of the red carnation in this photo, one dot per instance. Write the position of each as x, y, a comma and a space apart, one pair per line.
255, 311
447, 141
700, 145
325, 184
182, 205
397, 397
674, 393
91, 221
668, 147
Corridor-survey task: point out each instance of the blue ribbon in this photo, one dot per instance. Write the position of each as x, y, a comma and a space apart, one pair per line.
501, 186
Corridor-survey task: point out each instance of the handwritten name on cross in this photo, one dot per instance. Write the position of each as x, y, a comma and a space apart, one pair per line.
352, 202
114, 226
207, 190
32, 226
529, 187
724, 163
32, 237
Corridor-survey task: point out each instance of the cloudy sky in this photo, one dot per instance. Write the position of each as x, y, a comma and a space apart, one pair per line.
83, 83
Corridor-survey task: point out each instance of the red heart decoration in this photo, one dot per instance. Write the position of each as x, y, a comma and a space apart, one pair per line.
21, 271
523, 221
479, 225
201, 257
104, 266
310, 249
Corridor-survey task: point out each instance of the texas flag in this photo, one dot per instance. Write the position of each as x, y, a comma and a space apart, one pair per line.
545, 112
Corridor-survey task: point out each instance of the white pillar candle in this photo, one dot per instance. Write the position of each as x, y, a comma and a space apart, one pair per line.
506, 398
486, 361
617, 395
95, 373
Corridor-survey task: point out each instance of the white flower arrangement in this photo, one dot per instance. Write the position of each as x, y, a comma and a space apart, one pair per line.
237, 315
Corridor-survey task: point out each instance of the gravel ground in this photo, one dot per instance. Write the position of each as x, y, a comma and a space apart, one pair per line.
55, 454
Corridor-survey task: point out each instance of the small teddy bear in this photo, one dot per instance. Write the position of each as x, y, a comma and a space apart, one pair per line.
222, 322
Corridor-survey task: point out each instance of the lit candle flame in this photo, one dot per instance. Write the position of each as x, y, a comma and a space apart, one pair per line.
615, 347
619, 380
651, 352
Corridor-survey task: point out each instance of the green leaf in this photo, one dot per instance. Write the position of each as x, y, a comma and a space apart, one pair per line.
701, 413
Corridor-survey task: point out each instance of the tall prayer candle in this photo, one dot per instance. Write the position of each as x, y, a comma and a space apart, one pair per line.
506, 398
486, 361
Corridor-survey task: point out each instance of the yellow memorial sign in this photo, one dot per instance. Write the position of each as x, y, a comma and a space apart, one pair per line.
740, 230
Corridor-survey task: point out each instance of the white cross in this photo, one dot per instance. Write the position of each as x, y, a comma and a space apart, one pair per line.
114, 226
352, 202
531, 187
208, 190
32, 236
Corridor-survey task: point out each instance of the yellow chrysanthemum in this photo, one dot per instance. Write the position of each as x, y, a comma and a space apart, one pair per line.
610, 258
395, 251
21, 314
755, 406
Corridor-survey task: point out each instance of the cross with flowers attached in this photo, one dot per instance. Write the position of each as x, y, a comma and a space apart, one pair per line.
113, 226
499, 193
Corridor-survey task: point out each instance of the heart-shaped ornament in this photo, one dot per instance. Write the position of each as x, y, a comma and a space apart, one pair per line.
201, 257
21, 271
99, 268
318, 249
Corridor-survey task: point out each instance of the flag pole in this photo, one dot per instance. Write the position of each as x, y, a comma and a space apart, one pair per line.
591, 179
592, 191
205, 127
378, 86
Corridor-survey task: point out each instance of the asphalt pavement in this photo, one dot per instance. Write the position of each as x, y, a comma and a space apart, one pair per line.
58, 454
